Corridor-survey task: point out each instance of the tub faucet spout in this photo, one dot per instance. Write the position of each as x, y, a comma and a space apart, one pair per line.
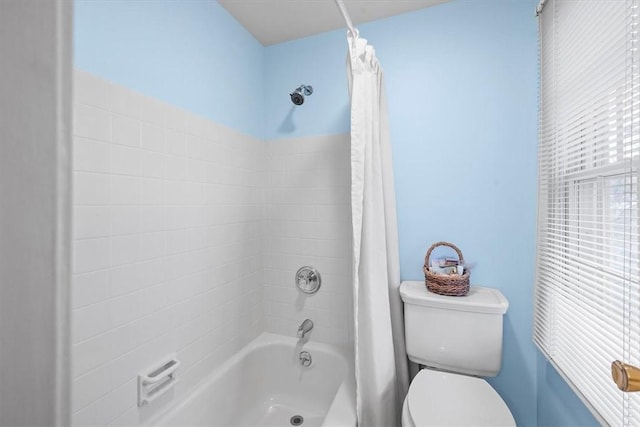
304, 328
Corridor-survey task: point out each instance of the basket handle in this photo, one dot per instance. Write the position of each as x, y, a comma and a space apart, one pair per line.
435, 245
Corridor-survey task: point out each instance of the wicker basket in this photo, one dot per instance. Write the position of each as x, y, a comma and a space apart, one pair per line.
454, 284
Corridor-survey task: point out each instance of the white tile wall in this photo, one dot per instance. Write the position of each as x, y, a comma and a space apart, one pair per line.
170, 252
167, 246
307, 222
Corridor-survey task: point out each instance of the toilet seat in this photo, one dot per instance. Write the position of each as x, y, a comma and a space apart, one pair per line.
444, 399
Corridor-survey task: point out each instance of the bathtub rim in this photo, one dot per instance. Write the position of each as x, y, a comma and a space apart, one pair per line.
342, 410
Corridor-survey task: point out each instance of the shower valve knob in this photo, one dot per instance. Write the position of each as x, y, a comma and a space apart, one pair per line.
308, 280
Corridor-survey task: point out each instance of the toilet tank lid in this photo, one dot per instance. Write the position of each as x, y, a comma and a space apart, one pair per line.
479, 299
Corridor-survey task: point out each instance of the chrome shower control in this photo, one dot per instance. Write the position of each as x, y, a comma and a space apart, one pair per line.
308, 280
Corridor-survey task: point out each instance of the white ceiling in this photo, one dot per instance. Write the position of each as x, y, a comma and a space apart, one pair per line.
276, 21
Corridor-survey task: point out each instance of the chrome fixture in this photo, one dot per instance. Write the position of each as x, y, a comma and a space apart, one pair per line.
308, 280
296, 420
297, 96
305, 359
304, 328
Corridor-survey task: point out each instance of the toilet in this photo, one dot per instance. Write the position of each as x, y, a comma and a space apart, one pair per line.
458, 341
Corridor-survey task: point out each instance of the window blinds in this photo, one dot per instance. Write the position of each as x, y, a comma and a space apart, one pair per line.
587, 298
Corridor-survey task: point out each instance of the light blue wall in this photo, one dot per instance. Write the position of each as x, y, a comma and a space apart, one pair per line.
319, 61
558, 406
461, 80
192, 54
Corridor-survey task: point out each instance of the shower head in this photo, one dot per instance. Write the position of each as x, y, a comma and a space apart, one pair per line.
297, 96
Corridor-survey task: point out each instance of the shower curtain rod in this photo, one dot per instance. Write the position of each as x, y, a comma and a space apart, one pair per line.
347, 18
540, 7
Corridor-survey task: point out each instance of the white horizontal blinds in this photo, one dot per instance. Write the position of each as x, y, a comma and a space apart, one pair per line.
587, 300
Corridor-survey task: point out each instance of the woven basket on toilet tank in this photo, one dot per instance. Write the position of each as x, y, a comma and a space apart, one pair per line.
443, 284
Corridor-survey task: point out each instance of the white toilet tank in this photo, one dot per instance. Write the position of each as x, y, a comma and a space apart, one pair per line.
456, 334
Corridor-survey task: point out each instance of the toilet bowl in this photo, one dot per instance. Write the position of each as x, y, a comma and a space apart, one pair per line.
459, 340
444, 399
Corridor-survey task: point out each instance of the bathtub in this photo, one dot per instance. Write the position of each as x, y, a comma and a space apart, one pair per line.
266, 385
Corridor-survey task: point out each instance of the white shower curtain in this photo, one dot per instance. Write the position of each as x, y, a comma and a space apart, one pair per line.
380, 358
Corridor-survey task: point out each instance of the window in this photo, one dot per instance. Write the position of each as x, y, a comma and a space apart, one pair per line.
587, 299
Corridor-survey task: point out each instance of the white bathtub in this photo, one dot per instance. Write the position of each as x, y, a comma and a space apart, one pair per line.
265, 385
